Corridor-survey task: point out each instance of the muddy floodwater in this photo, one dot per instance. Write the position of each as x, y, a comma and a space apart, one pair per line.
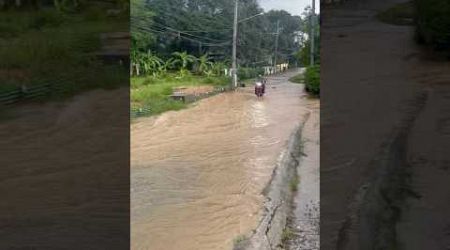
197, 174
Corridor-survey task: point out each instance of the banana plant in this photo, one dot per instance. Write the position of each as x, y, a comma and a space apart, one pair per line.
219, 68
184, 59
165, 66
150, 63
204, 64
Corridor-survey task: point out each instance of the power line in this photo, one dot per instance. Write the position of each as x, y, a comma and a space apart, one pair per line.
173, 34
186, 33
181, 32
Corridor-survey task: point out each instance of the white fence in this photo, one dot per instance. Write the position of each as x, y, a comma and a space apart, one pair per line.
268, 70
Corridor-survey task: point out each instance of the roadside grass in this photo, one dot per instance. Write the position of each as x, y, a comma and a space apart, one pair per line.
56, 48
400, 14
154, 92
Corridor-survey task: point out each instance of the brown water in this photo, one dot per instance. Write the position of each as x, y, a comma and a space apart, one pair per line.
63, 175
197, 174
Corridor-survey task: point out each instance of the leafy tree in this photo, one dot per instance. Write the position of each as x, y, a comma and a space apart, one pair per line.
141, 19
433, 22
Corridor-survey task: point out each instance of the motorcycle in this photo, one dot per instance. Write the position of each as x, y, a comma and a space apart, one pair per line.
260, 89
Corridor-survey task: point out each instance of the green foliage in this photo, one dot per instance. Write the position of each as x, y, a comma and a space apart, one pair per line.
149, 64
433, 22
205, 27
13, 23
54, 47
304, 53
183, 60
400, 14
312, 80
141, 20
204, 65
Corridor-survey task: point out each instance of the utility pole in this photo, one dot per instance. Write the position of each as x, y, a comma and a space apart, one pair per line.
311, 23
235, 27
276, 46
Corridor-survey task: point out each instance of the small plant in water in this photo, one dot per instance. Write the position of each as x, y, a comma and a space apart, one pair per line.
239, 239
294, 183
287, 235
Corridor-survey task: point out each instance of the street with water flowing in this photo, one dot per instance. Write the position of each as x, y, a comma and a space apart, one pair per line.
197, 175
384, 134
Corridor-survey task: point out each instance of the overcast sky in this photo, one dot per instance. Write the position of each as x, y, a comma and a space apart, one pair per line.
295, 7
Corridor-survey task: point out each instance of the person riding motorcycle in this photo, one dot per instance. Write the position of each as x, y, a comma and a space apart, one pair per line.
262, 80
260, 86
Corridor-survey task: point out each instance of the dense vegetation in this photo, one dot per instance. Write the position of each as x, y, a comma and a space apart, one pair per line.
400, 14
54, 42
430, 17
188, 43
433, 23
312, 80
205, 27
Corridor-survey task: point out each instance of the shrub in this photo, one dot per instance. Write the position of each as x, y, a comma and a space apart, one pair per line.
433, 22
400, 14
312, 79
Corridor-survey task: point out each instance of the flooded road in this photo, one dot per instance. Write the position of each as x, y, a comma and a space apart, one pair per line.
197, 174
64, 170
380, 134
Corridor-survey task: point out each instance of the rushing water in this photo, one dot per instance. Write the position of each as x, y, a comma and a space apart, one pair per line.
197, 174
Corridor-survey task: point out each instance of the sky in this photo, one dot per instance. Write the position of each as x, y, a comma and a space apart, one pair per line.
295, 7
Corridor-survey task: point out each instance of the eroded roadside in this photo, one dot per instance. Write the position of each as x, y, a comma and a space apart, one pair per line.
391, 137
291, 207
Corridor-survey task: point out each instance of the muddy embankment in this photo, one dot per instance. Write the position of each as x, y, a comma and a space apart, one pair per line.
278, 200
290, 219
377, 206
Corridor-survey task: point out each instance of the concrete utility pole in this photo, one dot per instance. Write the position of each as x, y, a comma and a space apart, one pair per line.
311, 23
276, 46
234, 63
